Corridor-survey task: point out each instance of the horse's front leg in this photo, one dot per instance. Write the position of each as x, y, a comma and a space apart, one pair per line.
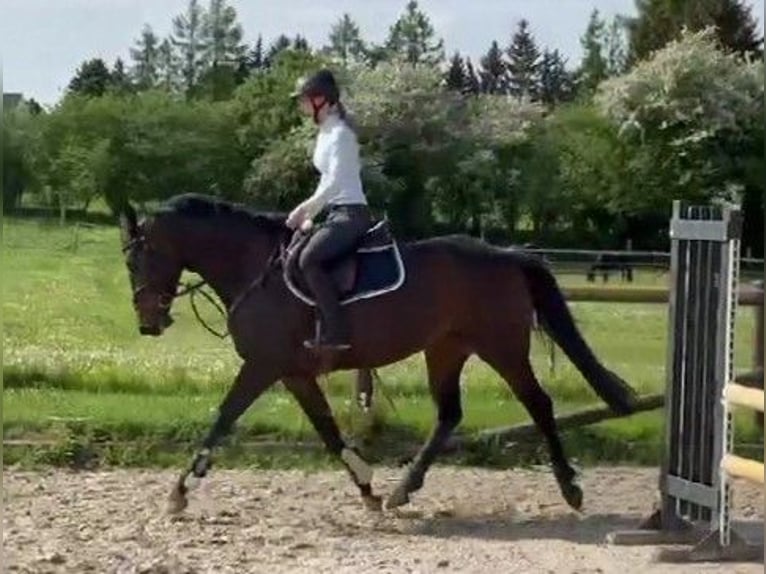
314, 403
250, 382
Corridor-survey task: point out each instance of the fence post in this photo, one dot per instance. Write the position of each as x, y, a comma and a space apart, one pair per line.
703, 299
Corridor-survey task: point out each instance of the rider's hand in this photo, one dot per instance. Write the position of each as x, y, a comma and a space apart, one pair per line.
295, 218
307, 225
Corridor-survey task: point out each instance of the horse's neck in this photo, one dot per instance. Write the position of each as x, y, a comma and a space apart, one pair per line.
232, 270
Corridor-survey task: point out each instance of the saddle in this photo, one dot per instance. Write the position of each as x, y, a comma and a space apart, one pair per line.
372, 268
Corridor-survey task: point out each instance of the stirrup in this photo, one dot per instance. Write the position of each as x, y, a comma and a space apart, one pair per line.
319, 342
321, 345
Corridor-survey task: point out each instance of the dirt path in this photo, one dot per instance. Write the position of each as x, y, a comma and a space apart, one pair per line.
464, 520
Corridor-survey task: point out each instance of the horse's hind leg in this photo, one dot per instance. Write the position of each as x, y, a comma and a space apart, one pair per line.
444, 361
517, 371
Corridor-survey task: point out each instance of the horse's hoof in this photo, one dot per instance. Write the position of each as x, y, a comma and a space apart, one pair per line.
405, 460
373, 502
398, 497
573, 495
177, 502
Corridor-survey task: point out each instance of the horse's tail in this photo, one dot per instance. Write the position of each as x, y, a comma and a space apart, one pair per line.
555, 317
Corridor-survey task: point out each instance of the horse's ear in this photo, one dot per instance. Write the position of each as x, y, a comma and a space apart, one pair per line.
128, 222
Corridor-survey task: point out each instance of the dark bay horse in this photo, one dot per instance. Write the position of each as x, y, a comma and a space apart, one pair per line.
460, 297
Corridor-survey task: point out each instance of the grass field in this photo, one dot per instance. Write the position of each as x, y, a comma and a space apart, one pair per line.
78, 375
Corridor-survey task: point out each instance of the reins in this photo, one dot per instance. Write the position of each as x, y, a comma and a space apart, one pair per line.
258, 282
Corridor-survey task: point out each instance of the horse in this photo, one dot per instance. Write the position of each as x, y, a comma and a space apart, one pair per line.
449, 297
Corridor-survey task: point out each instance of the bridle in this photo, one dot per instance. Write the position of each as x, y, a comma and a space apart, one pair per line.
165, 299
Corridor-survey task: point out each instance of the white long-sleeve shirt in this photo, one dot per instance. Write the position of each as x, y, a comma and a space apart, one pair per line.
336, 156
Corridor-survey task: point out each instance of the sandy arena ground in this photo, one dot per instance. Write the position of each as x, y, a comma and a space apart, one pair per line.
463, 520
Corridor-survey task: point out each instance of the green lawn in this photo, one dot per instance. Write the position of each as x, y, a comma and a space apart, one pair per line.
75, 365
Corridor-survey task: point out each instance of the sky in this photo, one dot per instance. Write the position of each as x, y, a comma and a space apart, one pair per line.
42, 42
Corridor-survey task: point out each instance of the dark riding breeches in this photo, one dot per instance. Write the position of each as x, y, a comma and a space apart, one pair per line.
344, 226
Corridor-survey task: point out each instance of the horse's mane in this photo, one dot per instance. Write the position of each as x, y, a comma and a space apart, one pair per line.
196, 205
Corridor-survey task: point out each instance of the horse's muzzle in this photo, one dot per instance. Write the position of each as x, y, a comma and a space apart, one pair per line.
157, 329
153, 330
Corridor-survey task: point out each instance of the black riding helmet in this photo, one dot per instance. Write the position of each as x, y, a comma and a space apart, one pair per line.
321, 83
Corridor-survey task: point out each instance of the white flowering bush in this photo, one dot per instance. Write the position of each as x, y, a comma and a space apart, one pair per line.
692, 114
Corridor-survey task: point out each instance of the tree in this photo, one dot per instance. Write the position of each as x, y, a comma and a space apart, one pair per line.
604, 53
408, 127
493, 72
692, 120
616, 48
145, 56
222, 35
499, 129
217, 82
92, 78
279, 45
659, 21
523, 63
255, 59
34, 107
555, 81
594, 67
455, 78
412, 37
301, 44
265, 111
736, 27
283, 174
120, 81
21, 138
80, 139
577, 160
189, 39
168, 67
471, 80
346, 42
146, 147
78, 172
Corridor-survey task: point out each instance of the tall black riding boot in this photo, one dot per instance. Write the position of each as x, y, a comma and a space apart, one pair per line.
334, 333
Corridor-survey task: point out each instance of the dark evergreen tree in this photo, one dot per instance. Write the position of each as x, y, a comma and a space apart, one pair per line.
301, 44
223, 35
120, 81
280, 44
168, 66
492, 76
190, 40
472, 85
145, 56
455, 78
523, 63
659, 21
346, 41
594, 67
412, 37
555, 81
253, 61
92, 78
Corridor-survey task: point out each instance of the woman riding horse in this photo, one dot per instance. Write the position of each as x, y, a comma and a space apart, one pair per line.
340, 194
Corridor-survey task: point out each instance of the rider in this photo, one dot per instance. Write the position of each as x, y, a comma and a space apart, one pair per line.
339, 194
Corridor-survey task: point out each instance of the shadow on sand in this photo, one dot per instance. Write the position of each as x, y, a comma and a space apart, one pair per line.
589, 529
